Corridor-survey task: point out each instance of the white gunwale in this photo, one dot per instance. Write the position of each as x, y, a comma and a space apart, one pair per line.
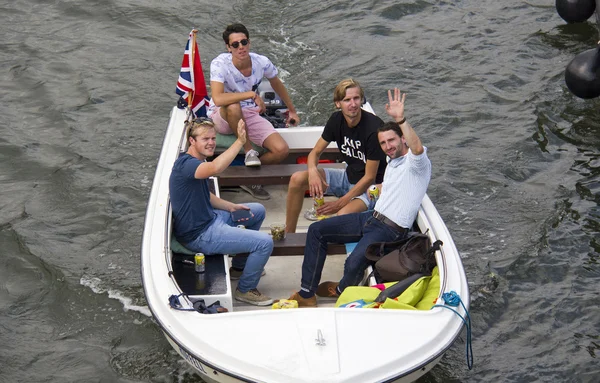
279, 345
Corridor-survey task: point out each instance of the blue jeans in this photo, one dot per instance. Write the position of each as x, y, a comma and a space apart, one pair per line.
222, 237
347, 228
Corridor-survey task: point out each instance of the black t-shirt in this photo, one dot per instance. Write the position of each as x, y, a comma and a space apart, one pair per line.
357, 144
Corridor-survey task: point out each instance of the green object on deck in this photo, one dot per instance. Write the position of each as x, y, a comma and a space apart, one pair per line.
224, 141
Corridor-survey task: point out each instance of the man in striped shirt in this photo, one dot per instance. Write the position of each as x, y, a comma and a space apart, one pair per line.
404, 185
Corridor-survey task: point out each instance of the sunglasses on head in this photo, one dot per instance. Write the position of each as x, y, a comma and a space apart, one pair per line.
236, 44
200, 120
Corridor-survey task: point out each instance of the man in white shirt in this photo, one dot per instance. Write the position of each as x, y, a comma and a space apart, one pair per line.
404, 185
234, 79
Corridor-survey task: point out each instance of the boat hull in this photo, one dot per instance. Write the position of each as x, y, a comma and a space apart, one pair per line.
279, 345
212, 375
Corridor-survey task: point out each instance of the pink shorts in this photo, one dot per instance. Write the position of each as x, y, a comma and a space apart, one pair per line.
257, 127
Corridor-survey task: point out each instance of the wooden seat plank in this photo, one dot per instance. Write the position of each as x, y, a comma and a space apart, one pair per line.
265, 175
294, 244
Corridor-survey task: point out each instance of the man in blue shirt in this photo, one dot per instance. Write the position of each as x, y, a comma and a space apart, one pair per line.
404, 185
203, 222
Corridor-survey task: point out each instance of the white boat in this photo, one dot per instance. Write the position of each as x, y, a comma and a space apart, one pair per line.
324, 344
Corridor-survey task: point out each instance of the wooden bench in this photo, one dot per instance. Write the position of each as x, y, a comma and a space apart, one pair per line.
300, 141
266, 174
294, 244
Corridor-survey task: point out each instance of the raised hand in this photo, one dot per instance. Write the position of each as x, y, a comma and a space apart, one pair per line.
395, 107
241, 130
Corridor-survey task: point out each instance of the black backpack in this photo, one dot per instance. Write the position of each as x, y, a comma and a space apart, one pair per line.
395, 261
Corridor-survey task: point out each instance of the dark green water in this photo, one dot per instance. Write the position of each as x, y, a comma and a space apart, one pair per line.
85, 93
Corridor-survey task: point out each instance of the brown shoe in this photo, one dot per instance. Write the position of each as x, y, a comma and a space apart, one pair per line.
328, 290
304, 302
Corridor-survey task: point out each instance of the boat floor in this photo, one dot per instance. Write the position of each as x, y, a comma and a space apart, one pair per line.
283, 273
275, 205
282, 279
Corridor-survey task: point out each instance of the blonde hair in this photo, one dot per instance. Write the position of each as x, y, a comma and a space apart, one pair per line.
198, 126
340, 90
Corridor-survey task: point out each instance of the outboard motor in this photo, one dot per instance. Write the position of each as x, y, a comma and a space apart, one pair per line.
277, 111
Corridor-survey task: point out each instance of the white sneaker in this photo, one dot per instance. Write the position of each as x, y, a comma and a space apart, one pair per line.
252, 158
254, 297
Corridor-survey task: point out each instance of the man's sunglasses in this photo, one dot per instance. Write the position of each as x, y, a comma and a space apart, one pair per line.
236, 44
200, 120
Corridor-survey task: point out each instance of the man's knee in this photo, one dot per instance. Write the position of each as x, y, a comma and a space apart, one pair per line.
231, 111
260, 244
280, 152
312, 234
257, 209
235, 107
267, 245
315, 230
299, 180
277, 147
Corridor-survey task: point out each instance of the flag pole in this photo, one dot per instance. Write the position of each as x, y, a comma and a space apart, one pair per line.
192, 48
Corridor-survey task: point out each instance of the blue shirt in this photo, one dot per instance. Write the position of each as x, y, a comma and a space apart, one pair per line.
190, 199
404, 186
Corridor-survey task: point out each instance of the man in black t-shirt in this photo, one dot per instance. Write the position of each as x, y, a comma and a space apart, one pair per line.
355, 132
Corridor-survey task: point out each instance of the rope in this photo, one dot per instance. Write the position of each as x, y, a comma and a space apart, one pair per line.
453, 299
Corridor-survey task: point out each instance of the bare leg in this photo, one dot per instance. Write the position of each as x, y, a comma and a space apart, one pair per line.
233, 114
296, 189
277, 148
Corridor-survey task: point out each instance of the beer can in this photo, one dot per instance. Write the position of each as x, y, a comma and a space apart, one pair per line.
241, 226
318, 202
373, 192
199, 262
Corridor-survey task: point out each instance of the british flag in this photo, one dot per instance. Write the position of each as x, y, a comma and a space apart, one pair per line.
190, 85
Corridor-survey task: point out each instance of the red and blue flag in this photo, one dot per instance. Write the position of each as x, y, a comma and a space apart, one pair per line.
190, 85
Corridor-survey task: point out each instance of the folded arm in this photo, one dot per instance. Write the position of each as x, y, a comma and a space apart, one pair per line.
221, 98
